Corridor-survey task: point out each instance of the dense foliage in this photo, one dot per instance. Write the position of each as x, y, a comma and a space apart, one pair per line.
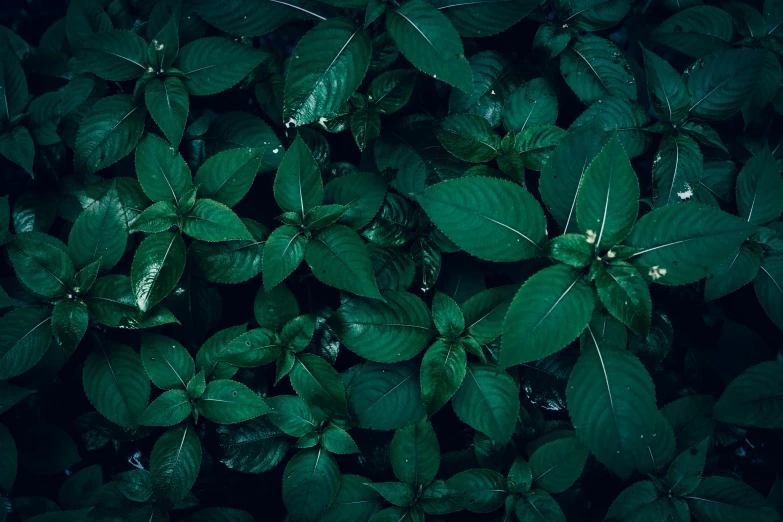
370, 260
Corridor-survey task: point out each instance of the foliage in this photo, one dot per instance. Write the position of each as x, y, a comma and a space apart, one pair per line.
370, 260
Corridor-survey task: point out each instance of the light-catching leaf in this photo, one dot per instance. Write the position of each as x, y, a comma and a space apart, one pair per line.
157, 266
676, 170
549, 311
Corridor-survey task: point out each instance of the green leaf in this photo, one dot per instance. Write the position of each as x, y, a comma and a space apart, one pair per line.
13, 85
228, 402
113, 55
684, 474
468, 210
112, 302
283, 252
338, 257
8, 460
722, 499
447, 315
327, 66
391, 90
291, 414
17, 146
254, 446
108, 132
760, 189
595, 68
538, 505
395, 493
395, 329
162, 173
40, 265
311, 481
766, 88
734, 273
365, 127
571, 249
478, 490
239, 18
79, 487
159, 217
157, 266
768, 286
115, 383
690, 418
168, 103
533, 103
519, 477
174, 464
227, 176
385, 396
556, 465
275, 308
611, 400
667, 92
754, 398
429, 41
720, 84
488, 401
298, 186
362, 193
676, 170
135, 485
468, 137
212, 221
298, 333
486, 311
170, 408
619, 115
535, 145
681, 244
592, 15
697, 31
99, 232
562, 175
486, 17
493, 81
336, 440
642, 502
166, 361
69, 322
212, 65
354, 501
549, 311
257, 347
415, 454
229, 262
608, 197
624, 293
317, 382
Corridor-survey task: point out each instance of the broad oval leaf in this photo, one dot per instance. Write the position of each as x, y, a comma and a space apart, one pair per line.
100, 232
443, 369
393, 330
168, 103
228, 175
41, 265
595, 68
108, 132
760, 189
25, 334
311, 481
115, 383
318, 383
485, 17
625, 295
338, 257
755, 398
592, 15
254, 446
488, 401
166, 361
363, 193
213, 221
723, 499
549, 311
641, 501
734, 273
538, 505
157, 266
469, 210
676, 170
169, 408
327, 66
283, 252
533, 103
69, 323
256, 19
113, 55
608, 197
354, 501
163, 174
174, 464
477, 490
468, 137
493, 80
667, 92
384, 396
622, 115
257, 347
556, 465
228, 402
681, 244
428, 40
415, 454
298, 186
720, 84
611, 400
212, 65
697, 31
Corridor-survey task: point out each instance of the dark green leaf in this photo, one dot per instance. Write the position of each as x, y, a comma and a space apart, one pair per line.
760, 189
468, 137
317, 382
769, 288
624, 293
298, 186
755, 398
722, 499
697, 31
676, 170
40, 265
69, 322
538, 505
665, 88
556, 465
212, 221
174, 464
488, 401
310, 484
478, 490
157, 266
113, 55
242, 19
100, 232
168, 409
254, 446
25, 337
594, 68
212, 65
168, 103
486, 17
167, 362
534, 103
228, 402
684, 474
415, 454
338, 257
